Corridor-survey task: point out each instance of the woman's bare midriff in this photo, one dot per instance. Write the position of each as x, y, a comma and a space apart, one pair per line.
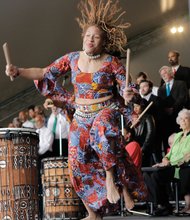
81, 101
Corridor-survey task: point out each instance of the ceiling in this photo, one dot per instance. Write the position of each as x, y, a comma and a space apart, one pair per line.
39, 31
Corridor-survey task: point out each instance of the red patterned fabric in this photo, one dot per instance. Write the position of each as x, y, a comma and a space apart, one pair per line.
95, 143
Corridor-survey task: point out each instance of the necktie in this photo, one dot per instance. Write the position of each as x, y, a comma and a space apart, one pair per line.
167, 89
54, 125
174, 71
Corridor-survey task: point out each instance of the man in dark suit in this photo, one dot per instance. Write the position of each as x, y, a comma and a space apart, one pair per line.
180, 72
174, 95
156, 110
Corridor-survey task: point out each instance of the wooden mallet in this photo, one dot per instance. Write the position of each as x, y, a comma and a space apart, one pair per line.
127, 69
126, 84
7, 56
140, 116
138, 213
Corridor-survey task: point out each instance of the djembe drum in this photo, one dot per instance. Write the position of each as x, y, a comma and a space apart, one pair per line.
59, 198
18, 174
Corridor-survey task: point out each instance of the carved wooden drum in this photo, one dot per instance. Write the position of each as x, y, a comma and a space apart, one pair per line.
18, 174
59, 197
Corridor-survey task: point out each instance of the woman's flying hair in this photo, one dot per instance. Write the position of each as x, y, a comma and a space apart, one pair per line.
108, 16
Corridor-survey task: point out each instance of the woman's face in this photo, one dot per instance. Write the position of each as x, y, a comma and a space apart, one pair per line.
93, 40
31, 113
137, 109
184, 122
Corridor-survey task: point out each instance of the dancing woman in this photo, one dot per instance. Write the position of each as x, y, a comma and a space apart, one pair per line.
98, 167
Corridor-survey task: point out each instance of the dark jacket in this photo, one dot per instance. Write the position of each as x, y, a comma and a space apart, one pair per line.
178, 98
145, 132
183, 73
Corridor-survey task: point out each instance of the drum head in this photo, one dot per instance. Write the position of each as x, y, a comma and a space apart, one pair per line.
8, 133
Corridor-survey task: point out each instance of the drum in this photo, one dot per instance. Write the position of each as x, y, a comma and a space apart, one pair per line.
59, 198
18, 174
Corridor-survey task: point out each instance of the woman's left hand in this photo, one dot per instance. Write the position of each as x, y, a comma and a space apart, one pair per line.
48, 103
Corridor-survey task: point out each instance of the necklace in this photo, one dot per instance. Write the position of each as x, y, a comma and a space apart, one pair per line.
93, 57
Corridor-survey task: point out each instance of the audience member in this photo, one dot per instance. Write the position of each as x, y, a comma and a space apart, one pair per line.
156, 110
39, 110
23, 117
31, 113
157, 181
180, 72
17, 123
170, 142
144, 130
174, 96
45, 137
10, 125
44, 151
144, 76
59, 125
133, 148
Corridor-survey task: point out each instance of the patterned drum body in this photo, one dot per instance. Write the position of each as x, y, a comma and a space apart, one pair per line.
60, 199
18, 174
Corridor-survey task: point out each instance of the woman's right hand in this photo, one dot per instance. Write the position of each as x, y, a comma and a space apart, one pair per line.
128, 94
12, 71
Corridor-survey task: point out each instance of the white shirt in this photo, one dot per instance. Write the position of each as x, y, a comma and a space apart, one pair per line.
147, 97
155, 90
171, 82
46, 140
175, 68
62, 125
28, 124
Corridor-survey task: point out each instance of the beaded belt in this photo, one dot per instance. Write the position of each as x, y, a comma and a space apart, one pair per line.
93, 107
92, 114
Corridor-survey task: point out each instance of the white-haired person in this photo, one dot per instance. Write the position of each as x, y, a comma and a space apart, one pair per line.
174, 97
172, 167
98, 168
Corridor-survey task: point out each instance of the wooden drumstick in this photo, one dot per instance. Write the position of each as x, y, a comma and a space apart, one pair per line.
138, 213
140, 116
7, 56
122, 125
127, 69
60, 140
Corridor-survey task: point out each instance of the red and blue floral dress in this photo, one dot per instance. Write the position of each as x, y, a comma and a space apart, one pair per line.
95, 142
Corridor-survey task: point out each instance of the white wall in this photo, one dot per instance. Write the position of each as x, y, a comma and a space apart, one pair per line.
151, 59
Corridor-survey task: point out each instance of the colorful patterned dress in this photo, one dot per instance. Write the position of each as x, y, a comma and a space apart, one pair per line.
95, 142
